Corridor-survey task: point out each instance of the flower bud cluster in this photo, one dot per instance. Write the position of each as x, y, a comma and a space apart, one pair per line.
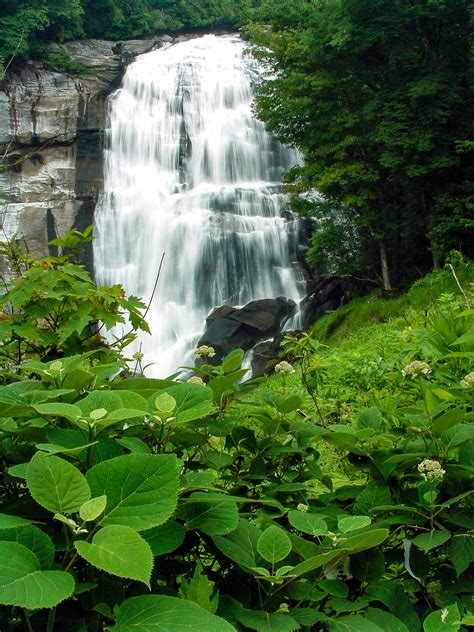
468, 380
284, 367
416, 368
195, 379
204, 352
431, 470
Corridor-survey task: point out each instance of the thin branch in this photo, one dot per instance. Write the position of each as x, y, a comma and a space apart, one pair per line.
154, 287
466, 300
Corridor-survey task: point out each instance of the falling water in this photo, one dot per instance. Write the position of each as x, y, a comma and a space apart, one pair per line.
190, 173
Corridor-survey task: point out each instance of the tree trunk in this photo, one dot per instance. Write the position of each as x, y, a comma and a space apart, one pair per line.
387, 285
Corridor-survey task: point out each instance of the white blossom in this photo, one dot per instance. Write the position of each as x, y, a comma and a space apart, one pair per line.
302, 507
204, 351
468, 380
195, 379
431, 470
284, 367
416, 368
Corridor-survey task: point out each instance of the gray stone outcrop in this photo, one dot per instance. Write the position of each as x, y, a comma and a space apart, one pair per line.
51, 139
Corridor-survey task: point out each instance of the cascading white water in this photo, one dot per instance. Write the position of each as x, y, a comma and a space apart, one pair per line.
190, 173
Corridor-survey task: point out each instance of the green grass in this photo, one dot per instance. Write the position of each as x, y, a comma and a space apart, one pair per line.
364, 346
374, 309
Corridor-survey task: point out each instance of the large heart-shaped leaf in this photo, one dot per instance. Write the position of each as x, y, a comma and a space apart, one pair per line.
23, 584
274, 545
120, 551
192, 401
213, 514
56, 484
158, 613
141, 489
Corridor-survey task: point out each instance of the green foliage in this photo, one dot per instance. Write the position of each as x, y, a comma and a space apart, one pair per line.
26, 26
53, 307
132, 503
377, 96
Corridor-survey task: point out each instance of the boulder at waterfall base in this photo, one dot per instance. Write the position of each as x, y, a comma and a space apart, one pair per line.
231, 328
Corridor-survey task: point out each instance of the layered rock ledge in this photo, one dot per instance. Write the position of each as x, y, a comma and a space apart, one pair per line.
51, 139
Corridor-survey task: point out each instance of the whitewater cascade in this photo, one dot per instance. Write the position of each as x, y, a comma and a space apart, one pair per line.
190, 173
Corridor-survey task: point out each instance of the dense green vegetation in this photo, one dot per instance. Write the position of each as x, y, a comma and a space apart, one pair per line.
378, 97
335, 496
27, 26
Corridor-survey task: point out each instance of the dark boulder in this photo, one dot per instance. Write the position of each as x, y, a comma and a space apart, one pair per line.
231, 328
326, 295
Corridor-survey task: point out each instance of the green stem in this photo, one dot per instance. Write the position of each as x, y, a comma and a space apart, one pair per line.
51, 620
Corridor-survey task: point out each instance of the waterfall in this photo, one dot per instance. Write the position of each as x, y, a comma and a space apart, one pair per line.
190, 173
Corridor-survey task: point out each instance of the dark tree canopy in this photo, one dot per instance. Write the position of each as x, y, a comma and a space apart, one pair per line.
27, 25
378, 97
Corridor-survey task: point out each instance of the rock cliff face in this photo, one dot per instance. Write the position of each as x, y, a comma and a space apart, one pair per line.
51, 140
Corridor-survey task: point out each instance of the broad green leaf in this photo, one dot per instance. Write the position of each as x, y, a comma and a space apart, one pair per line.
141, 489
317, 561
448, 419
368, 566
241, 545
34, 539
92, 509
132, 400
150, 613
274, 545
134, 445
392, 595
457, 435
96, 400
351, 523
268, 621
364, 541
289, 404
460, 552
23, 584
166, 538
56, 484
164, 404
68, 411
388, 622
9, 522
353, 623
233, 361
307, 523
192, 401
213, 514
375, 494
52, 448
430, 540
200, 590
335, 587
465, 338
444, 620
18, 471
120, 551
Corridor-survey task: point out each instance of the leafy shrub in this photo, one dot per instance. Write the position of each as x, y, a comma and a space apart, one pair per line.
133, 503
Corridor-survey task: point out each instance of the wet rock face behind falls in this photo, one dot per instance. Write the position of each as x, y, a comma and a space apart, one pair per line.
51, 134
190, 173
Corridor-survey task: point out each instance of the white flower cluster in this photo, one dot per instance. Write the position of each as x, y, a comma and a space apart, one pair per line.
195, 379
137, 356
284, 367
468, 380
302, 507
416, 368
204, 352
431, 470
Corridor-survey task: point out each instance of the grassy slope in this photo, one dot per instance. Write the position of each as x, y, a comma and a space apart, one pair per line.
363, 347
